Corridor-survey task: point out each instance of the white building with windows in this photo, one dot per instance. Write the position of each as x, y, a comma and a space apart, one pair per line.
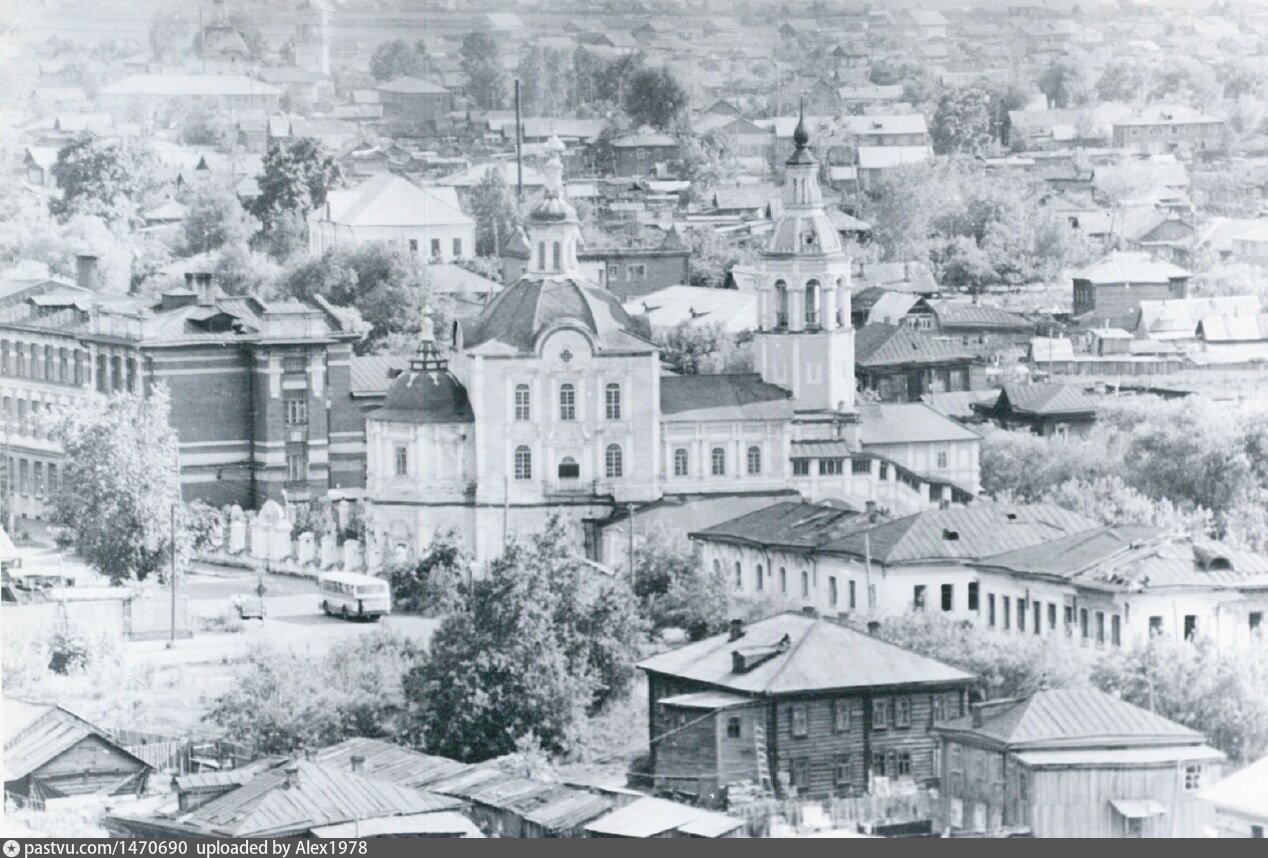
552, 400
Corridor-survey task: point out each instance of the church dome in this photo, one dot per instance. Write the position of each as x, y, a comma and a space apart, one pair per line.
803, 231
553, 208
519, 315
425, 396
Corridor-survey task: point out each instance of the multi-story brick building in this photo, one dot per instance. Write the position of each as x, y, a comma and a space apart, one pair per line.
260, 391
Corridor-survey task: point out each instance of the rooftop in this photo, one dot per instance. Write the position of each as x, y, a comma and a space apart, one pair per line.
723, 397
1131, 267
1041, 400
889, 345
908, 423
391, 200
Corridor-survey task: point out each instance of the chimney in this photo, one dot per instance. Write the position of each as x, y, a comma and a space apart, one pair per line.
870, 510
737, 630
906, 272
944, 504
976, 709
358, 763
809, 611
873, 627
86, 271
292, 777
205, 287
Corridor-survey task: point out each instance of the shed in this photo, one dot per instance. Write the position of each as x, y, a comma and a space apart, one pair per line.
658, 817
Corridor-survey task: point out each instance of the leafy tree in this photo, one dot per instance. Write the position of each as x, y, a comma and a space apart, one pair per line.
168, 30
215, 218
298, 173
704, 160
286, 238
962, 122
1065, 83
705, 350
1187, 80
492, 204
284, 700
396, 58
106, 179
655, 97
527, 651
118, 483
386, 283
429, 584
676, 591
1231, 278
1123, 80
480, 60
239, 270
712, 257
545, 77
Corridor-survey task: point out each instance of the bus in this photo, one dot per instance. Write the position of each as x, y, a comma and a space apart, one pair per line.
348, 595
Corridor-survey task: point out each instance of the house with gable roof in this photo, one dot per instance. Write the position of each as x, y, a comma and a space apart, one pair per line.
426, 221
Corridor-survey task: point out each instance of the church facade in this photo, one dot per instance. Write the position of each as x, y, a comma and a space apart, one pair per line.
553, 401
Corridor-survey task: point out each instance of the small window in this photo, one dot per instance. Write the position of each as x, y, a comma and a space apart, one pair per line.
884, 471
1192, 778
1021, 615
718, 461
733, 728
860, 466
523, 403
1116, 630
903, 766
832, 590
680, 462
1052, 616
556, 257
435, 248
296, 464
973, 595
918, 597
1190, 627
801, 467
937, 708
612, 463
948, 597
902, 711
783, 580
853, 603
296, 407
841, 771
841, 715
880, 714
760, 577
739, 576
612, 401
800, 720
805, 583
523, 463
636, 272
567, 402
402, 461
1037, 626
1007, 605
569, 469
878, 763
754, 460
1084, 630
831, 467
942, 459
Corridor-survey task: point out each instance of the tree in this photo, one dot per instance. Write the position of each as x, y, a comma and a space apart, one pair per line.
215, 218
1064, 82
385, 282
168, 30
429, 584
106, 179
239, 270
712, 257
704, 160
962, 122
396, 58
284, 701
496, 215
298, 173
118, 482
1231, 278
655, 97
675, 590
705, 350
527, 652
1124, 81
481, 63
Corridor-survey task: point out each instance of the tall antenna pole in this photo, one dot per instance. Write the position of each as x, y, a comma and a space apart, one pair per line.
519, 147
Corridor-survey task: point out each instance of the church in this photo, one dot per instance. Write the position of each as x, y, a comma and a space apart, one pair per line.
554, 401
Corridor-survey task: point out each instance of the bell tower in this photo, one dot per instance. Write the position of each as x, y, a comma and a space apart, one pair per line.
552, 226
804, 341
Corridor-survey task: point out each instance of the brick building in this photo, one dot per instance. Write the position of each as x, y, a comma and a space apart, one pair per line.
260, 391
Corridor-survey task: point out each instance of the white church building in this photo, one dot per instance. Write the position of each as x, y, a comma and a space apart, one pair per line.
553, 400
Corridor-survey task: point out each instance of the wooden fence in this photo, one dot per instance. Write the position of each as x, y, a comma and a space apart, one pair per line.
852, 812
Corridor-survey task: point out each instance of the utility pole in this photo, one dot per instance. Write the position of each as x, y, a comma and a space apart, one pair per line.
519, 147
506, 509
630, 508
867, 569
176, 461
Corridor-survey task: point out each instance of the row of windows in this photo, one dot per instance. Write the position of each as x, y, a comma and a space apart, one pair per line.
43, 363
613, 463
31, 479
811, 309
523, 402
435, 247
717, 461
634, 271
759, 582
890, 763
1034, 612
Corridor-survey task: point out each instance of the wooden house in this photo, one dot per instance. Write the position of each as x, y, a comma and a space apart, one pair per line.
1044, 409
798, 704
1241, 802
1073, 762
901, 364
50, 752
1111, 291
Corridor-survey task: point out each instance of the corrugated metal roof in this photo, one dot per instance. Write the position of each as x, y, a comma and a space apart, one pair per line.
908, 423
564, 809
648, 817
388, 762
370, 373
442, 823
891, 345
820, 656
962, 314
789, 524
723, 397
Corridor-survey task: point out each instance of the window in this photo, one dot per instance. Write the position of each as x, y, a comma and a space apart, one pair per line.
783, 580
733, 728
739, 576
805, 583
884, 471
296, 407
296, 463
718, 461
1100, 628
832, 590
680, 462
1256, 620
567, 402
955, 758
990, 609
636, 272
754, 460
918, 597
1257, 832
1008, 612
1069, 621
1155, 626
569, 469
1192, 778
294, 365
948, 597
556, 256
1190, 627
614, 271
1116, 630
942, 459
1021, 615
612, 464
1037, 625
878, 763
38, 469
880, 714
852, 595
1052, 616
801, 467
973, 596
413, 245
781, 304
612, 401
800, 720
435, 248
841, 771
812, 303
402, 461
523, 463
902, 711
937, 708
799, 773
841, 715
523, 403
860, 466
830, 467
759, 577
1083, 623
904, 764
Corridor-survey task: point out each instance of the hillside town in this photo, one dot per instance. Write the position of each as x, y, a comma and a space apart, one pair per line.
667, 418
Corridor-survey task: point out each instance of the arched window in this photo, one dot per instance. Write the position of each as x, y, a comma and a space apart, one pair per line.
569, 469
680, 462
739, 576
523, 403
781, 304
567, 402
783, 580
719, 462
612, 401
541, 255
523, 463
558, 256
805, 583
612, 460
812, 302
754, 460
758, 577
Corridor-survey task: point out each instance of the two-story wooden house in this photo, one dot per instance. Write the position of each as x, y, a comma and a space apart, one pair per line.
797, 703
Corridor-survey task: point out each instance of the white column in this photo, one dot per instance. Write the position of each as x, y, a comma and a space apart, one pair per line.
828, 312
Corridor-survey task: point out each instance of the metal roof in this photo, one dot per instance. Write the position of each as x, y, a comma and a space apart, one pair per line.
792, 524
819, 656
1245, 791
388, 762
908, 423
648, 817
1042, 399
1164, 755
1131, 267
444, 823
723, 397
891, 345
36, 733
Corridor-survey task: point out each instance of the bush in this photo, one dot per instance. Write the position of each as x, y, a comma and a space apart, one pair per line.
68, 651
227, 623
430, 585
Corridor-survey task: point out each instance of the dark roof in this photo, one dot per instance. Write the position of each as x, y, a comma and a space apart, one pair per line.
894, 345
384, 761
1071, 718
412, 86
723, 397
801, 654
425, 396
520, 313
1042, 399
961, 314
372, 375
791, 524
